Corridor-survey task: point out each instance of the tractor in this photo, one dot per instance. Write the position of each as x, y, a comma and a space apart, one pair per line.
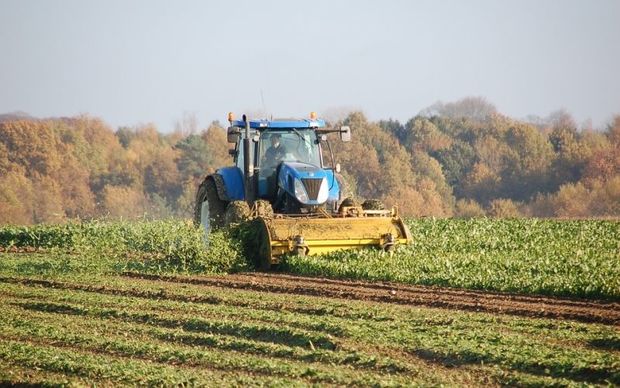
285, 178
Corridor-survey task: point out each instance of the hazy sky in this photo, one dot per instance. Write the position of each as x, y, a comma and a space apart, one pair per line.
132, 62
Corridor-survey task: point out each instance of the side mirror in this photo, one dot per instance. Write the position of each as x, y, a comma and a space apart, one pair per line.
232, 152
232, 135
345, 133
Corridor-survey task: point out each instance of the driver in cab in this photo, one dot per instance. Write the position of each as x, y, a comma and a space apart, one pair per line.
276, 152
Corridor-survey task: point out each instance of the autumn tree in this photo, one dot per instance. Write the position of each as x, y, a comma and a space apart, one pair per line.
474, 108
459, 159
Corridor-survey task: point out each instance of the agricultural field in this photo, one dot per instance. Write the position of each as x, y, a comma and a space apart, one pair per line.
144, 303
565, 258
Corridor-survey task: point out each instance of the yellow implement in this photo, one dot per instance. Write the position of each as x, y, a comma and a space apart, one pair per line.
321, 234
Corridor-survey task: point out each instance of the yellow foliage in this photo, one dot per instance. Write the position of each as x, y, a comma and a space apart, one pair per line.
123, 202
16, 197
47, 200
468, 208
503, 208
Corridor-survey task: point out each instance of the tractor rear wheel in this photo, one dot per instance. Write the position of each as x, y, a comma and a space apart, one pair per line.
347, 202
373, 204
263, 245
209, 209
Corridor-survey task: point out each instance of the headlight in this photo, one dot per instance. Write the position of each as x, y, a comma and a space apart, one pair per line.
300, 192
323, 192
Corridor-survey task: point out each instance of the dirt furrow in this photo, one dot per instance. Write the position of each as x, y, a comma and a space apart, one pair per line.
441, 297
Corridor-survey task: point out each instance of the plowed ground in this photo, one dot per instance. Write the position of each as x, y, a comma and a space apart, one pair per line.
277, 329
450, 298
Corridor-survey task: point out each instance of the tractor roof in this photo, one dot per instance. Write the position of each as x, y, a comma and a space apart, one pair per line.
281, 123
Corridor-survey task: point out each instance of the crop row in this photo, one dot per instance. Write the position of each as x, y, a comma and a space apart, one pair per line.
381, 343
566, 258
188, 341
167, 245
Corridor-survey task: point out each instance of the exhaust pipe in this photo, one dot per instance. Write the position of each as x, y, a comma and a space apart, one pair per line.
248, 165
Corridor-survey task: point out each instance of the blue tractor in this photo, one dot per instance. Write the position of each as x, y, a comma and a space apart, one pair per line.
283, 177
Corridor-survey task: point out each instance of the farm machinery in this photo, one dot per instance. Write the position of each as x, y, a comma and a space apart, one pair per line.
284, 178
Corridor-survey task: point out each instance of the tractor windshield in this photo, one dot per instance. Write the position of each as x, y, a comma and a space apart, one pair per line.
288, 146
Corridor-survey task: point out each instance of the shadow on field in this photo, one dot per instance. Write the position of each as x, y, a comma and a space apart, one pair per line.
52, 308
273, 334
605, 343
165, 295
356, 359
34, 268
557, 370
20, 384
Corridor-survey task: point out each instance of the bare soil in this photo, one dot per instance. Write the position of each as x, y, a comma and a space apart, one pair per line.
607, 312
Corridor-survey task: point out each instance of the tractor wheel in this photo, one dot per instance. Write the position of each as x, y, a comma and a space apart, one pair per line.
209, 209
373, 204
263, 246
262, 208
347, 202
291, 205
236, 212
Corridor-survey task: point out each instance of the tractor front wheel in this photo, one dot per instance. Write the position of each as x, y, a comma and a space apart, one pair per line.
209, 209
236, 212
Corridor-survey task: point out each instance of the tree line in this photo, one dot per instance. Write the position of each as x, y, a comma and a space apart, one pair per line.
462, 159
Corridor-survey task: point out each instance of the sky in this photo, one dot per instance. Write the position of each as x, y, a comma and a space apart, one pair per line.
133, 62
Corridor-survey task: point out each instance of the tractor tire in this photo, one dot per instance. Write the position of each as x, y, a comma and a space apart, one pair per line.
209, 209
263, 209
236, 212
347, 202
263, 247
373, 204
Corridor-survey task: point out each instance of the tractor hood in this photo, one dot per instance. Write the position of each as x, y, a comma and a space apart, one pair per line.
307, 183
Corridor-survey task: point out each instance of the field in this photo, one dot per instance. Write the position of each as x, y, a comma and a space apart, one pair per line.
141, 303
564, 258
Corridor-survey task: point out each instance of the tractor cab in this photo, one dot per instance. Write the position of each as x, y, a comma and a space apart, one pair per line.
276, 147
286, 163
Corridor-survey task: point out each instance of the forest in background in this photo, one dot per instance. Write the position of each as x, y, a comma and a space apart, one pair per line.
461, 159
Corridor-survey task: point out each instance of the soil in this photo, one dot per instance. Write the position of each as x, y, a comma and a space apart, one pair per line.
263, 209
236, 212
582, 310
22, 249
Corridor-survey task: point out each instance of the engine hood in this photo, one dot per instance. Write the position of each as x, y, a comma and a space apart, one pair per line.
307, 183
303, 170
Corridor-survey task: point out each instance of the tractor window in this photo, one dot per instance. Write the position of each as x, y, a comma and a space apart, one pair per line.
240, 155
288, 146
283, 146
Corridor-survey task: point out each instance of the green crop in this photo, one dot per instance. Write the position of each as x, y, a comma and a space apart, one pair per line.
566, 258
569, 258
121, 330
148, 246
